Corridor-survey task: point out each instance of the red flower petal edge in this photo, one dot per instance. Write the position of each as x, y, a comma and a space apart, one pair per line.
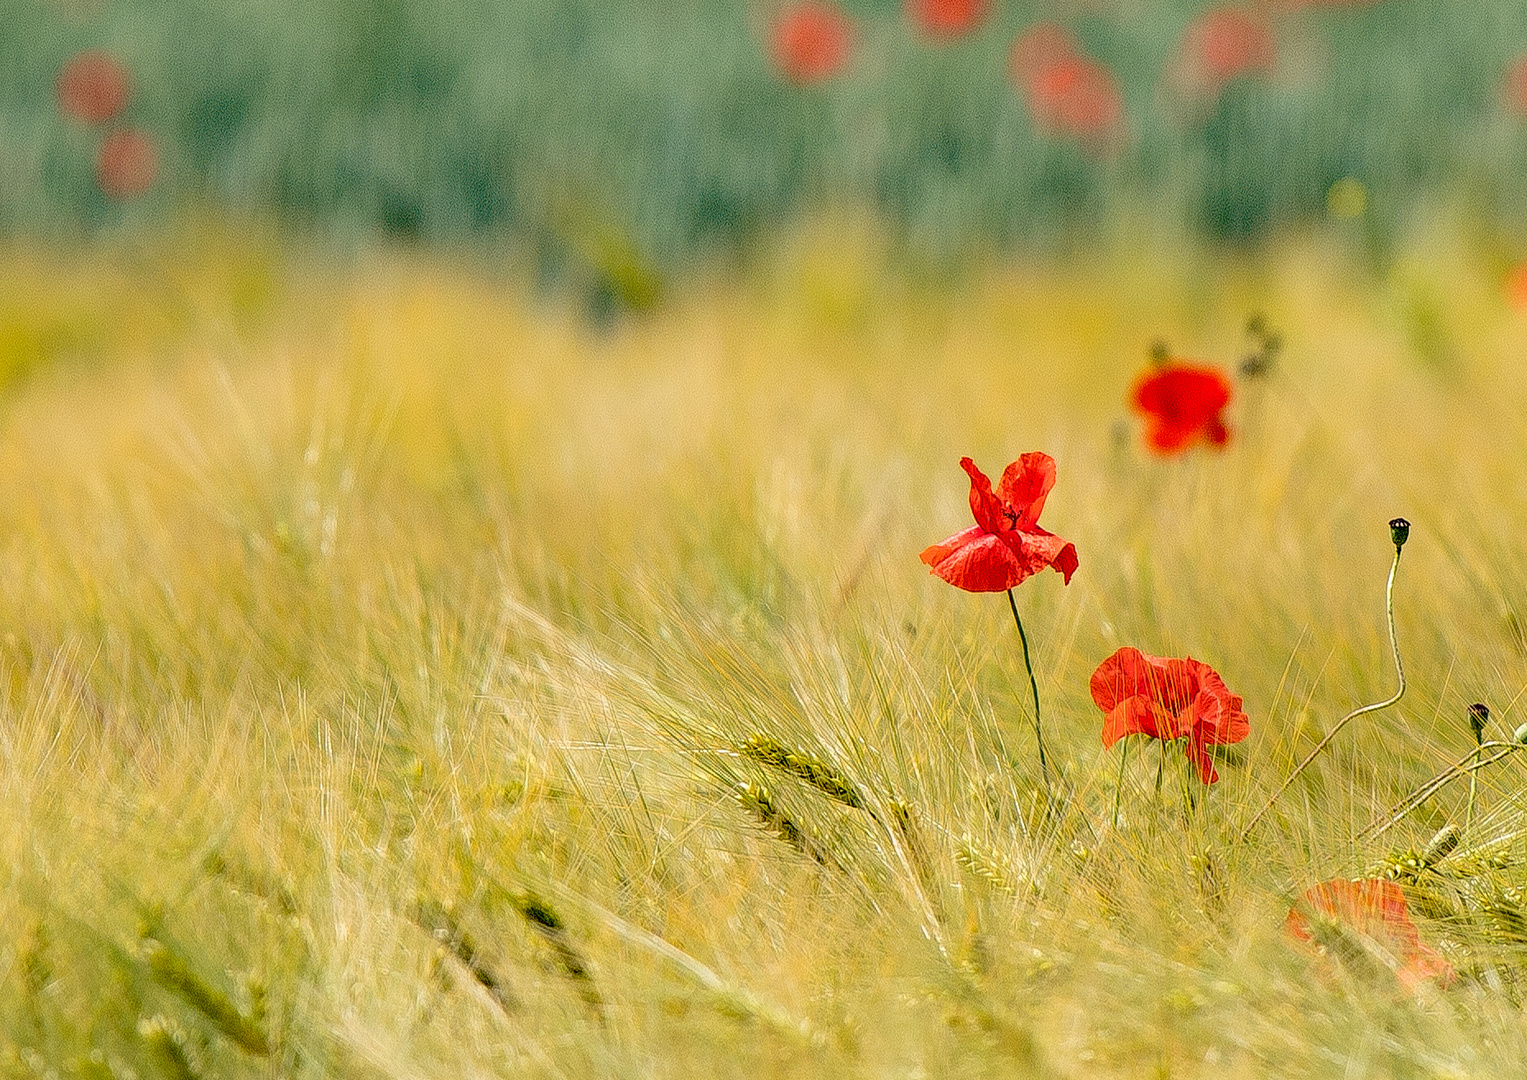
1006, 544
1168, 699
1374, 909
811, 41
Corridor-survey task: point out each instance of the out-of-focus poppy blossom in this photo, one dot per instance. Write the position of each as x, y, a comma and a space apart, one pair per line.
1076, 96
1038, 49
947, 18
1006, 544
811, 41
1225, 43
1365, 922
126, 163
1168, 699
1516, 287
1183, 403
1514, 89
93, 87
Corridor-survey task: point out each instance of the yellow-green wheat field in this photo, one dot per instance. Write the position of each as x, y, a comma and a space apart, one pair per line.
401, 677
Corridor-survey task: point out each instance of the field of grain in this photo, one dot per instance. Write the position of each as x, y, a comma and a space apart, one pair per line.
401, 678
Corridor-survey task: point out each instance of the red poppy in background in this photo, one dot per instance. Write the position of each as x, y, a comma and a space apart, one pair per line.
1516, 287
811, 41
1375, 910
93, 87
1073, 95
1183, 403
1038, 49
126, 163
947, 18
1514, 90
1168, 699
1006, 544
1223, 44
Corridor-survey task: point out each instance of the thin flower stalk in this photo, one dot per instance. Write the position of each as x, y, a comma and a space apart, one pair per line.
1468, 765
1399, 531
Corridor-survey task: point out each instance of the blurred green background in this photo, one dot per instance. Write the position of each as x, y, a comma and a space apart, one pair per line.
631, 138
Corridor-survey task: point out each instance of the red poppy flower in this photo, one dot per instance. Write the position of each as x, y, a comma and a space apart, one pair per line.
1516, 287
1375, 911
1223, 44
126, 163
1514, 91
811, 41
1006, 544
1168, 699
1073, 95
947, 18
1038, 49
1183, 402
93, 87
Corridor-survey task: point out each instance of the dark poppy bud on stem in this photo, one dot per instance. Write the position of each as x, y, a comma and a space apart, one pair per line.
1399, 532
1479, 716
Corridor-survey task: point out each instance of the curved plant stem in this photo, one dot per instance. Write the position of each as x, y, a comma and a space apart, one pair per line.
1044, 763
1399, 670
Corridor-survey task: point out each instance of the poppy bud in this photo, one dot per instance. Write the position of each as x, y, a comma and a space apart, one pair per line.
1520, 736
1479, 716
1441, 845
1399, 532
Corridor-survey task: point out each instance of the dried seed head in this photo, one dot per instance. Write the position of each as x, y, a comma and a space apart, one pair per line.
1399, 532
1479, 716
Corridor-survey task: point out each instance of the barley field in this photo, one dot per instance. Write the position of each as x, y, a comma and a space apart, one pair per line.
402, 677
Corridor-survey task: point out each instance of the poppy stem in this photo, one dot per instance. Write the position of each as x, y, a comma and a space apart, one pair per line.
1399, 670
1039, 738
1160, 772
1118, 790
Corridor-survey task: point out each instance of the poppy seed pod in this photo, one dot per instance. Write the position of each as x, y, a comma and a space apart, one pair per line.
1479, 716
1399, 532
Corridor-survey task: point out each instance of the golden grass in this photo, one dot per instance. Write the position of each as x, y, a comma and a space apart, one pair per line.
399, 678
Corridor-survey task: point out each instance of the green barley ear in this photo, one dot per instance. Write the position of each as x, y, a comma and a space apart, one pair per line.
175, 975
813, 770
904, 821
167, 1045
545, 921
437, 921
988, 865
757, 800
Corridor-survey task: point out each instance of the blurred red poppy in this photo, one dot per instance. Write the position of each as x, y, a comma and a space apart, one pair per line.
93, 87
126, 163
1073, 95
1036, 50
1514, 90
1183, 403
811, 41
1516, 287
947, 18
1168, 699
1223, 44
1006, 544
1374, 910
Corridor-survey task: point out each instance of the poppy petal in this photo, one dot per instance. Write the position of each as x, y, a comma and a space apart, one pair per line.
1038, 549
986, 507
1125, 674
1024, 485
1200, 757
983, 564
1136, 715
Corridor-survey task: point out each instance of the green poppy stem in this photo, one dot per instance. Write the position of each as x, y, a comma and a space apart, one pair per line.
1399, 670
1118, 790
1039, 738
